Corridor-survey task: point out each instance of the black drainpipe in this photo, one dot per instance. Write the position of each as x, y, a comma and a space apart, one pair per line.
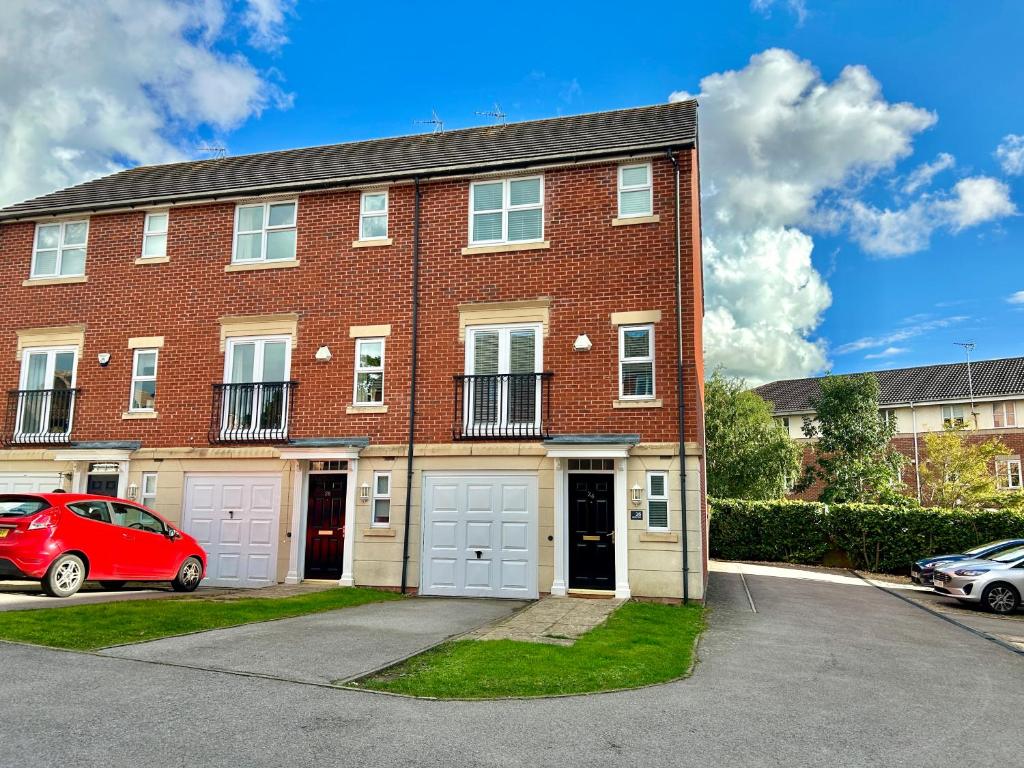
679, 384
412, 387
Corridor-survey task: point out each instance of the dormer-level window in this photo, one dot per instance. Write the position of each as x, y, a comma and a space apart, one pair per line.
953, 416
635, 193
265, 232
59, 249
373, 216
154, 235
506, 211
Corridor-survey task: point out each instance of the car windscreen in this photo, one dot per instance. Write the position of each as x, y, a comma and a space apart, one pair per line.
981, 548
1009, 555
20, 506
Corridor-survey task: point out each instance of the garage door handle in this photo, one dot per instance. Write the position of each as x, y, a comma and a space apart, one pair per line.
479, 554
231, 514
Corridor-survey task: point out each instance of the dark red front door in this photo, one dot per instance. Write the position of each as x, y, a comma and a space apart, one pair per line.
591, 531
325, 526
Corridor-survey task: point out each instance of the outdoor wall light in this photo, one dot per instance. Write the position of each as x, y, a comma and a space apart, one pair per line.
103, 358
364, 493
582, 343
324, 354
133, 490
636, 494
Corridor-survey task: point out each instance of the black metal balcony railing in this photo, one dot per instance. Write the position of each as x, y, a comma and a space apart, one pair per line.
505, 406
251, 413
39, 416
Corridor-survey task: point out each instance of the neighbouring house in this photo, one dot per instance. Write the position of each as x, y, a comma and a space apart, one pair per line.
987, 397
255, 347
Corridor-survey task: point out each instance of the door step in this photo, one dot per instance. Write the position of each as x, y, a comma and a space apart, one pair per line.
594, 594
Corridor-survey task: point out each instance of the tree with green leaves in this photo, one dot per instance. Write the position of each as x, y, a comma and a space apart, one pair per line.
749, 454
956, 471
851, 451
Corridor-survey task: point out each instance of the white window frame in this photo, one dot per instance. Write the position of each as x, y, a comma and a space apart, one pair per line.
368, 369
377, 496
952, 419
652, 497
146, 234
649, 327
364, 214
257, 359
51, 353
1003, 468
506, 207
648, 187
136, 377
504, 368
1007, 408
61, 247
147, 496
266, 228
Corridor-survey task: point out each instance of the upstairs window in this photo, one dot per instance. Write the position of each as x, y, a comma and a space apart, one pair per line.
154, 236
507, 211
888, 416
265, 232
369, 372
636, 362
381, 499
953, 416
143, 396
373, 216
657, 500
59, 249
1004, 415
1008, 477
635, 193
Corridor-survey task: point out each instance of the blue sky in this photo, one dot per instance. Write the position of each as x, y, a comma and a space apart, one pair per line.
876, 269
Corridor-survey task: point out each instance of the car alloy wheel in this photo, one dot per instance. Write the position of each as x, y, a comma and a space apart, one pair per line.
65, 576
1000, 598
191, 573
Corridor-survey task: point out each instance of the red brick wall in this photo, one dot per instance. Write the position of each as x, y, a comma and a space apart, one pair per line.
591, 270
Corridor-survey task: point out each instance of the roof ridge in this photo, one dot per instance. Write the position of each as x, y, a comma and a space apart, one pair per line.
894, 370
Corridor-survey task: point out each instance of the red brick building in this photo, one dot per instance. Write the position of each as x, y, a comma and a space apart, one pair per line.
987, 398
255, 346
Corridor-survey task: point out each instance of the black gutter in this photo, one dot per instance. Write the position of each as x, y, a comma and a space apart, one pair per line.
679, 384
412, 387
415, 176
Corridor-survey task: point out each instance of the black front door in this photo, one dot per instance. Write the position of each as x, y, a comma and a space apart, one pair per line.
325, 526
591, 531
102, 485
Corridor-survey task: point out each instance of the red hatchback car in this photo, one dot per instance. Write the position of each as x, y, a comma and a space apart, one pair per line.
64, 539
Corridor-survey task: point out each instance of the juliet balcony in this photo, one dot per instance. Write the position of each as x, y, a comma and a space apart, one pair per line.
505, 406
257, 412
39, 416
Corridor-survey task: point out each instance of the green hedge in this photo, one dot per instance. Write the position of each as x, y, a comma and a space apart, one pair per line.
874, 537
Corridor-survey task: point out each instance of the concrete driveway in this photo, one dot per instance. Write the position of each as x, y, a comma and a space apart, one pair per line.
824, 673
325, 647
28, 595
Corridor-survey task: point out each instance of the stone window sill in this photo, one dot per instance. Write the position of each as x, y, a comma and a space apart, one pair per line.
666, 536
383, 241
152, 259
382, 532
636, 403
139, 415
243, 267
626, 221
366, 409
69, 280
506, 247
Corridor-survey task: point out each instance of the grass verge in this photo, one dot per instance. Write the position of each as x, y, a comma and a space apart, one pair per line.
88, 627
640, 644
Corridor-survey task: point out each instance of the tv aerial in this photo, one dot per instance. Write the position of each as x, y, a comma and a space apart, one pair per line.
496, 114
217, 151
434, 120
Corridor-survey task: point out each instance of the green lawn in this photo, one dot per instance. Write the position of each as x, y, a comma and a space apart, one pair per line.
641, 644
88, 627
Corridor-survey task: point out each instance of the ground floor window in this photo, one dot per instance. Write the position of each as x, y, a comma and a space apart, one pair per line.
1008, 475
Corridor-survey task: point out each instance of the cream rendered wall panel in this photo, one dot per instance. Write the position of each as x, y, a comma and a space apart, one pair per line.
505, 313
259, 325
54, 336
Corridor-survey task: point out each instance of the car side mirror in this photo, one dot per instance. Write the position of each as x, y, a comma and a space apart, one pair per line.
171, 533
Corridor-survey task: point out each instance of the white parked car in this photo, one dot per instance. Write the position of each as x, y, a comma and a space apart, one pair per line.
997, 582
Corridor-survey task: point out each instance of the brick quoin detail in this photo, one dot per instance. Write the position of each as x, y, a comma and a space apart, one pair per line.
591, 270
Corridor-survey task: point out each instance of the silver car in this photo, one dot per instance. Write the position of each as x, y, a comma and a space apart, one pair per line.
997, 582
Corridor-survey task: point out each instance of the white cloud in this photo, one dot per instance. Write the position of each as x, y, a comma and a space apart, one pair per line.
976, 200
88, 88
265, 19
1016, 298
901, 334
775, 139
1010, 154
887, 352
797, 7
922, 175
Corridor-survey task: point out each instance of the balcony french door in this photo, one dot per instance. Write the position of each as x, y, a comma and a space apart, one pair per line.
255, 401
45, 403
502, 395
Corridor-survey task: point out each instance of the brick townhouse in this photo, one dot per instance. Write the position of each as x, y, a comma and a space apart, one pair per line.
986, 397
256, 346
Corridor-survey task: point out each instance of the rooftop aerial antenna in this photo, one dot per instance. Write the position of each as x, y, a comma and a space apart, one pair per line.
968, 347
434, 120
216, 150
496, 113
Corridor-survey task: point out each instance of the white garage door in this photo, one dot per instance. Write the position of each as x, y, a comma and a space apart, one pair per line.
235, 519
30, 482
480, 536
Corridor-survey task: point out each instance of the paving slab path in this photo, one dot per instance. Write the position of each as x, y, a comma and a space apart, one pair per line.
552, 620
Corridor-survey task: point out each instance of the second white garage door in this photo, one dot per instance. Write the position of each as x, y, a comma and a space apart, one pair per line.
29, 482
479, 536
235, 519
